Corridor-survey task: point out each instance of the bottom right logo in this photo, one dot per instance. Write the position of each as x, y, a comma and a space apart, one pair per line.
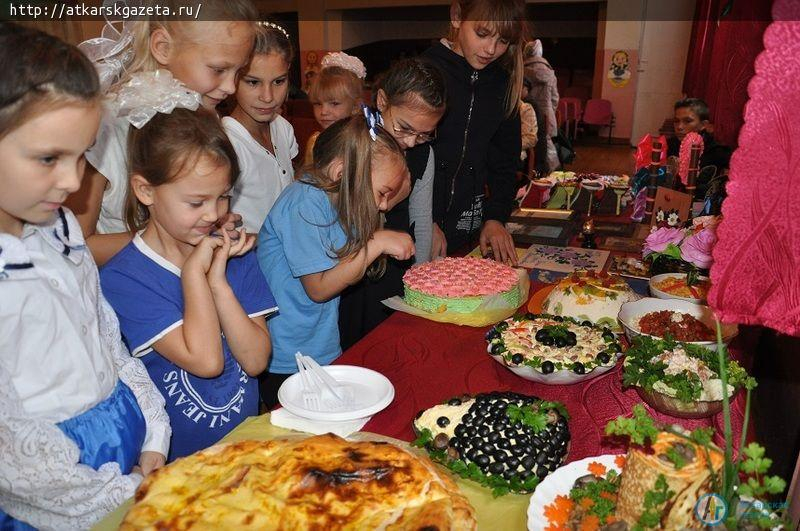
711, 509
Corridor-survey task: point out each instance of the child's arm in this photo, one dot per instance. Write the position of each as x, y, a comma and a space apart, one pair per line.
420, 212
325, 285
195, 346
43, 482
248, 338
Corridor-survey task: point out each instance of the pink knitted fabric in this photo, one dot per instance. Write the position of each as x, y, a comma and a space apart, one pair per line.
756, 271
686, 153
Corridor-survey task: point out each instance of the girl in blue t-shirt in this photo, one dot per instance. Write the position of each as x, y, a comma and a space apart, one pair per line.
191, 301
324, 233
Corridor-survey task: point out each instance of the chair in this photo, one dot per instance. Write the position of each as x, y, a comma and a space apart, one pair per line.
303, 129
581, 92
598, 113
570, 110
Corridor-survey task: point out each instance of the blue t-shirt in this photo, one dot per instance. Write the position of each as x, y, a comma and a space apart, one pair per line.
145, 291
299, 237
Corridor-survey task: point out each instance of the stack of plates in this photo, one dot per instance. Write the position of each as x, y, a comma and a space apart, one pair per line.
372, 392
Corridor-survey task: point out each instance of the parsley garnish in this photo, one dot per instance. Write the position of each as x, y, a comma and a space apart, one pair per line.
640, 428
654, 500
535, 416
601, 506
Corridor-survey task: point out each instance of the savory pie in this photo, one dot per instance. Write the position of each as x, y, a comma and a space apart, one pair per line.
322, 482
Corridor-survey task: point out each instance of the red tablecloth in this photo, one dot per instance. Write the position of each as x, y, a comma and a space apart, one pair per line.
430, 362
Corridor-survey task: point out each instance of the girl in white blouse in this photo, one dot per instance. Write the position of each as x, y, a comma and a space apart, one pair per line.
263, 139
80, 420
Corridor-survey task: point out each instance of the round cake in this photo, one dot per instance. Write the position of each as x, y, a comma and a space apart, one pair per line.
322, 482
590, 296
505, 441
460, 284
550, 343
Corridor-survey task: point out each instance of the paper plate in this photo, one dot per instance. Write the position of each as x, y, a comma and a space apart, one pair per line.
560, 482
372, 390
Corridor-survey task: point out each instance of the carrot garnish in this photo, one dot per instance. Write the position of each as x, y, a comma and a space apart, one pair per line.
597, 469
557, 513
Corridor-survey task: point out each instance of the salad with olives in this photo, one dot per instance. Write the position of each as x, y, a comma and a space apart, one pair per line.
505, 441
550, 343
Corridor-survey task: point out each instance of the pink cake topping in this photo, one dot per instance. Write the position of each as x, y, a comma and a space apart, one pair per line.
461, 277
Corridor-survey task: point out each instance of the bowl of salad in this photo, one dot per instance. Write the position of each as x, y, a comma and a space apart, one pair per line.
679, 286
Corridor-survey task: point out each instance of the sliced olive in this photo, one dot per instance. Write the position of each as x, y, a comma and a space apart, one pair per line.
492, 334
558, 318
517, 359
561, 342
587, 324
547, 367
502, 325
541, 334
496, 468
578, 368
530, 316
443, 422
454, 402
608, 335
604, 357
498, 348
481, 460
547, 341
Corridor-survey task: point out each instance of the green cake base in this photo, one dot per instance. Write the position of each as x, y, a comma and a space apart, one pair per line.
434, 304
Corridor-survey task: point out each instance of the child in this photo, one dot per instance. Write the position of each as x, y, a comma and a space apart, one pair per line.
263, 139
411, 98
191, 303
204, 55
692, 116
80, 421
478, 141
321, 236
336, 93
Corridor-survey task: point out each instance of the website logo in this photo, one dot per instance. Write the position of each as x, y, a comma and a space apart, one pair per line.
711, 509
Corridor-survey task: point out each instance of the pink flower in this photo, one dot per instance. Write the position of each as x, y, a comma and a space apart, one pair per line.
697, 248
658, 240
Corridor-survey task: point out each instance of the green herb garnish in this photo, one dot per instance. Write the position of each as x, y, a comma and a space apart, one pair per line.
535, 416
640, 428
654, 500
602, 507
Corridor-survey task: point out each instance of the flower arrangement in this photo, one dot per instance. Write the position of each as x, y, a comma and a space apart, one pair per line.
692, 245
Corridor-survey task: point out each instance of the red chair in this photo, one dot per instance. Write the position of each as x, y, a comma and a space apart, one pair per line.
576, 91
303, 129
598, 113
570, 111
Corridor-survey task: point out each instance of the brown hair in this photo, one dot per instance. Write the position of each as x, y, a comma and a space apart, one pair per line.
507, 18
271, 38
212, 10
336, 83
413, 82
349, 141
170, 143
40, 72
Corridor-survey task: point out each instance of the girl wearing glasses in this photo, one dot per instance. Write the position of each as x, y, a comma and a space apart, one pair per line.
411, 99
479, 139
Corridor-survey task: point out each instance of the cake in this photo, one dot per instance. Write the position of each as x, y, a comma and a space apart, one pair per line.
550, 343
590, 296
322, 482
460, 285
506, 441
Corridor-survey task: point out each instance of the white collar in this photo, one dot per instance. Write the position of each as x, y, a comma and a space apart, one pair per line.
63, 234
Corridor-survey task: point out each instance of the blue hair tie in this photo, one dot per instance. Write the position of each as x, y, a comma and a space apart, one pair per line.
374, 119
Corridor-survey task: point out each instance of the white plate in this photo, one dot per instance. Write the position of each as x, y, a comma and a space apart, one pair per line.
664, 295
631, 312
560, 482
372, 390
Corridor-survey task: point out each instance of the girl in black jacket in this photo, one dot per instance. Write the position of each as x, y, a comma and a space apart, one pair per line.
478, 141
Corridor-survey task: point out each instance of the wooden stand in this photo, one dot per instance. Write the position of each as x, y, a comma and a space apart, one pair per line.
655, 164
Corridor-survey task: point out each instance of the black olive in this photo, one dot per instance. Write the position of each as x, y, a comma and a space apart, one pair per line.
572, 335
454, 402
604, 357
558, 318
476, 442
547, 448
473, 454
483, 431
493, 333
614, 347
471, 431
541, 458
607, 330
541, 471
498, 348
572, 341
502, 325
608, 335
527, 462
541, 334
481, 460
525, 474
505, 444
466, 419
496, 468
587, 324
517, 359
510, 473
443, 422
578, 368
530, 316
547, 367
454, 441
488, 447
518, 450
561, 342
548, 341
513, 462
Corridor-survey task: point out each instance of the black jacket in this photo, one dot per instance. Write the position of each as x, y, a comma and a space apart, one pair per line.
476, 146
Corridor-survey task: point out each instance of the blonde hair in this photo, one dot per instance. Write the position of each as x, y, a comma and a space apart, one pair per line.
349, 140
507, 18
336, 83
213, 10
168, 144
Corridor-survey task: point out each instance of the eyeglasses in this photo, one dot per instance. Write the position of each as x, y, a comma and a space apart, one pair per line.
401, 132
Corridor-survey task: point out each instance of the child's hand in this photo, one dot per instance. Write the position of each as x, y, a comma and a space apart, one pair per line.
149, 461
242, 243
230, 223
219, 263
203, 254
396, 244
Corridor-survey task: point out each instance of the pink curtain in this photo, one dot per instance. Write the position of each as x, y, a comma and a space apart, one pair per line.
722, 50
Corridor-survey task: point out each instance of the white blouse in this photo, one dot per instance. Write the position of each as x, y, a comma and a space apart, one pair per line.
263, 175
61, 354
109, 156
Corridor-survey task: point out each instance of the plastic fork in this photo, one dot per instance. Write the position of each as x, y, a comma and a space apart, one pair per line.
342, 393
311, 396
